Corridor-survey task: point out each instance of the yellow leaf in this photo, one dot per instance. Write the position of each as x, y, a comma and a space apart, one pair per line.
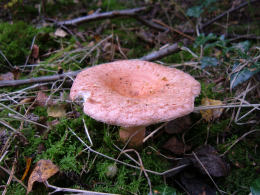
56, 111
42, 172
60, 33
211, 114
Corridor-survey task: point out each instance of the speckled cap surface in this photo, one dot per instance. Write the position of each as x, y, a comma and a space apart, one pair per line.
135, 93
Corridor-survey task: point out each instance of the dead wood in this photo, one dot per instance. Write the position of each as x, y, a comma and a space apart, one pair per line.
150, 57
105, 15
246, 3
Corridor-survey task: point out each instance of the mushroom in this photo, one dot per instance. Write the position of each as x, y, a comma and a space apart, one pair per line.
133, 94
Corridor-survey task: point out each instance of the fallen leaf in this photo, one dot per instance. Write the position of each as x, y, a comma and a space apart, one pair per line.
56, 111
176, 146
60, 33
211, 160
28, 165
195, 184
26, 100
178, 125
42, 99
42, 172
35, 51
7, 76
211, 114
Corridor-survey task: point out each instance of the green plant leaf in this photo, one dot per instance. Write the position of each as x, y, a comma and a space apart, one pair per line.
243, 75
195, 11
209, 61
242, 46
203, 39
255, 187
163, 190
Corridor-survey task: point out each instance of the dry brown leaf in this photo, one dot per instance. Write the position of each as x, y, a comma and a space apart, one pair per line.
178, 125
35, 51
7, 76
176, 146
56, 111
42, 172
26, 100
211, 114
60, 33
42, 98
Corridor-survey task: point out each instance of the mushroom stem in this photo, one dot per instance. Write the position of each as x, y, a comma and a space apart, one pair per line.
136, 134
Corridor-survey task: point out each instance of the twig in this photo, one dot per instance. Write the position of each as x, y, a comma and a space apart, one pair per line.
27, 59
155, 131
87, 133
245, 3
14, 178
59, 189
150, 57
10, 177
239, 139
96, 46
22, 117
98, 16
173, 29
37, 80
13, 129
151, 24
224, 106
142, 166
121, 162
3, 156
2, 54
161, 53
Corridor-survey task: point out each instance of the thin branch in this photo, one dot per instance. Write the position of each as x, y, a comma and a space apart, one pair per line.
98, 16
161, 53
245, 3
38, 79
239, 139
150, 57
124, 163
14, 178
225, 106
59, 189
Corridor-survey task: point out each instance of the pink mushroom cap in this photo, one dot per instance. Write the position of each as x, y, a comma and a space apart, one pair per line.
131, 93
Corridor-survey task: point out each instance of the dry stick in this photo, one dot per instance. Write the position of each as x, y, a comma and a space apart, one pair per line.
10, 177
142, 167
155, 131
59, 189
161, 53
3, 156
37, 80
14, 178
150, 24
96, 16
227, 12
2, 54
150, 57
27, 59
13, 129
173, 29
124, 163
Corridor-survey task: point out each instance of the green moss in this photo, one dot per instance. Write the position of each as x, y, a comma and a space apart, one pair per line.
15, 42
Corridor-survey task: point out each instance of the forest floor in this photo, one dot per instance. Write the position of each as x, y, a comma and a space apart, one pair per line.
48, 144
